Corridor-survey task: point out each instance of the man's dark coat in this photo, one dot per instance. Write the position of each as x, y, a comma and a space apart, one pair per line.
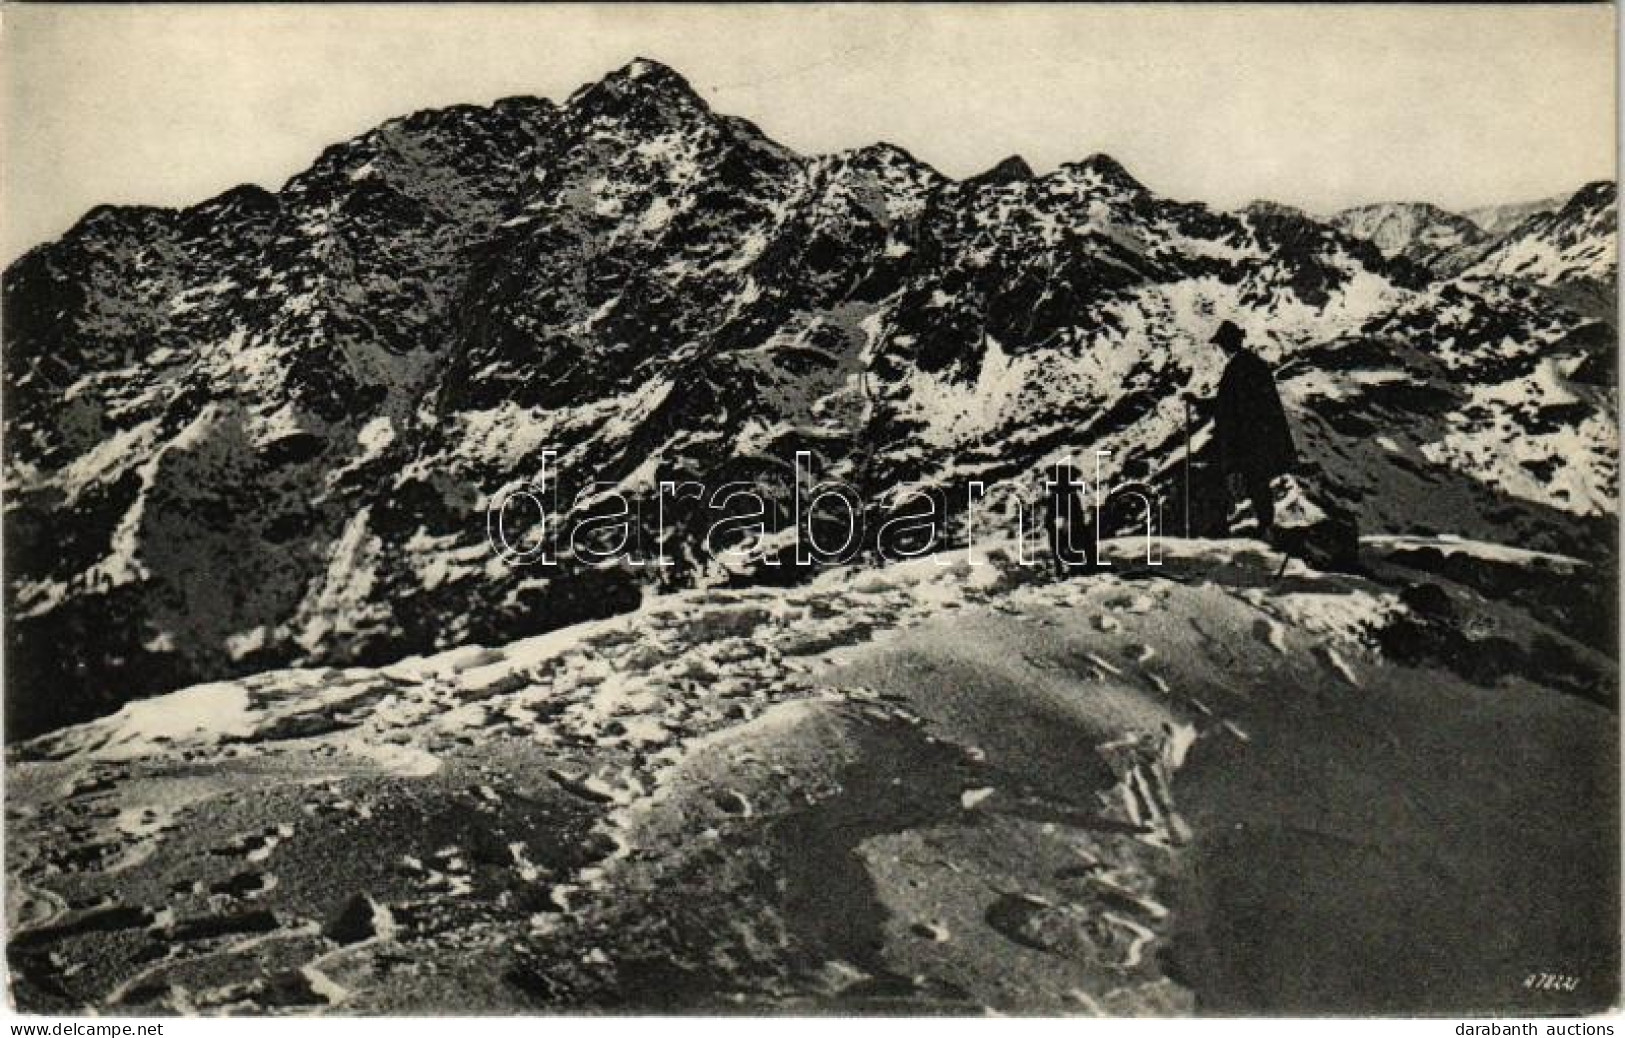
1249, 422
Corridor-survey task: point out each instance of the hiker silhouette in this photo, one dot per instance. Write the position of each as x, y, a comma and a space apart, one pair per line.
1251, 437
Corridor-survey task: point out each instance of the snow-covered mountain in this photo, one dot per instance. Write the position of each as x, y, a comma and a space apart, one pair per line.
265, 430
1415, 230
1566, 241
1495, 220
1578, 242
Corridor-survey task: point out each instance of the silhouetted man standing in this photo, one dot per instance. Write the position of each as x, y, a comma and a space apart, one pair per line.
1250, 427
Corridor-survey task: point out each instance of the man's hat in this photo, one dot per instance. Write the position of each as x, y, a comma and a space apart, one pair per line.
1229, 334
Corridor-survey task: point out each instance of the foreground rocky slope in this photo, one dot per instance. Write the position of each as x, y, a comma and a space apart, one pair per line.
265, 431
947, 786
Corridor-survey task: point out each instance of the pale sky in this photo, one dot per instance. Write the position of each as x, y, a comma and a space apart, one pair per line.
1322, 107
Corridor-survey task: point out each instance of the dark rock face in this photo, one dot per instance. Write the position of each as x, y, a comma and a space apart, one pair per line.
361, 919
266, 429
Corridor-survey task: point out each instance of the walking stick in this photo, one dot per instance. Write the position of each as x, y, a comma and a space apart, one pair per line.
1286, 559
1187, 405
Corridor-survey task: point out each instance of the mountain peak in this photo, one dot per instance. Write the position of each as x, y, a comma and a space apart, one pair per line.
642, 84
121, 220
882, 151
1425, 209
1007, 171
245, 201
1417, 231
884, 155
1597, 193
645, 75
650, 70
1499, 219
1267, 208
1107, 170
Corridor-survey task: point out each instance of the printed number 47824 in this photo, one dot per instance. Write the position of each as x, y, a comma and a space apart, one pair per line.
1551, 982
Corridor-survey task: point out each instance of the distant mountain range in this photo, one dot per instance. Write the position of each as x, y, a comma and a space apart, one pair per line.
1415, 230
264, 430
1559, 240
1499, 219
